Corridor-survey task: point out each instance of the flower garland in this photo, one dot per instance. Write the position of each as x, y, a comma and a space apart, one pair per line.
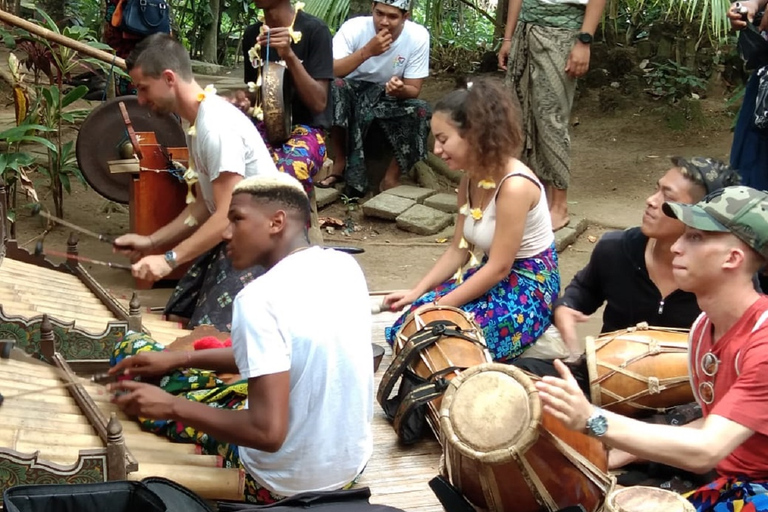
254, 54
476, 214
190, 175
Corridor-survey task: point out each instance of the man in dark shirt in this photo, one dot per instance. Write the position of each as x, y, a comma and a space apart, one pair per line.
288, 35
631, 270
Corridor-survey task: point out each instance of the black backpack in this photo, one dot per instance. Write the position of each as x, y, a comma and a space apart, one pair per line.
162, 495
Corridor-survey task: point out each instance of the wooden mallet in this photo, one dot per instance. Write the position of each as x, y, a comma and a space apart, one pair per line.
40, 252
37, 209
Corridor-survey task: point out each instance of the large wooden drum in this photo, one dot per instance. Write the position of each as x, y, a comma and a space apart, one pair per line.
646, 499
504, 453
639, 371
452, 342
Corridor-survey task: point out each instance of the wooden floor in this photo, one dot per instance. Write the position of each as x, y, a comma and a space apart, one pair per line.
398, 475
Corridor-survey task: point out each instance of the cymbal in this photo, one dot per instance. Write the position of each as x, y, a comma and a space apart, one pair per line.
102, 134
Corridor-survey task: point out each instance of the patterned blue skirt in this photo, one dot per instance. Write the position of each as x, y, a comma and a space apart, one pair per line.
514, 313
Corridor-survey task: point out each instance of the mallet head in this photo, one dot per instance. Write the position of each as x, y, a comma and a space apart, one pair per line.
36, 208
39, 248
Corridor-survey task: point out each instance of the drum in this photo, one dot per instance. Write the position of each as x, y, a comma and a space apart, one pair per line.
435, 342
640, 370
503, 452
646, 499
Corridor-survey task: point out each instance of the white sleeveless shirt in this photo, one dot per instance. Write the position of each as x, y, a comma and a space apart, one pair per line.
537, 235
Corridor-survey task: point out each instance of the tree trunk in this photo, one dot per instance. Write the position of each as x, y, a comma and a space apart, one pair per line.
210, 38
501, 19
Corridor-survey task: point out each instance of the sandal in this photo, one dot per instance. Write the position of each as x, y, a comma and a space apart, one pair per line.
330, 181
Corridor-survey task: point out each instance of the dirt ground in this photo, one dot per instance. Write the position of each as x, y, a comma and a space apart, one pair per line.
617, 158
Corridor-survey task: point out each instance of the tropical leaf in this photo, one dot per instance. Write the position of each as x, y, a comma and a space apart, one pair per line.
74, 95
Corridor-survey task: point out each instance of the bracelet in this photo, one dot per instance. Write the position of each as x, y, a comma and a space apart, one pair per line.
506, 39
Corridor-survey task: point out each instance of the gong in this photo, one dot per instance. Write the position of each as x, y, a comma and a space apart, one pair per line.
104, 132
276, 95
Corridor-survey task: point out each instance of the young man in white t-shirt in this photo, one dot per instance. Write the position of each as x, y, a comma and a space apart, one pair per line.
380, 62
307, 422
224, 148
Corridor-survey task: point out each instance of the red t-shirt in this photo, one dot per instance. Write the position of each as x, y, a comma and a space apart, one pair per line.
740, 384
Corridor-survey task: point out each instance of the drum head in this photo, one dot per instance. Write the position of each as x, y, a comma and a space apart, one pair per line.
646, 499
103, 131
488, 410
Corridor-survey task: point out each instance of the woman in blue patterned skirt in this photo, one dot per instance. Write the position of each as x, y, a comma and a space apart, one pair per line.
503, 212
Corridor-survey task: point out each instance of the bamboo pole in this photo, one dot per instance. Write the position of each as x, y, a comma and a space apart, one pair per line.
61, 39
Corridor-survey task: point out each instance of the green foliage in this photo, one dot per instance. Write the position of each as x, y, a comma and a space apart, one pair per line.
333, 12
674, 82
50, 113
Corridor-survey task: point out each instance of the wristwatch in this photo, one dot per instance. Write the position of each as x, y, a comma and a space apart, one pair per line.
597, 424
170, 258
585, 37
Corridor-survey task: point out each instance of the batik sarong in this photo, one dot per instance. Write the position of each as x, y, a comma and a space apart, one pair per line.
207, 291
731, 495
536, 75
301, 156
405, 123
205, 387
514, 313
199, 386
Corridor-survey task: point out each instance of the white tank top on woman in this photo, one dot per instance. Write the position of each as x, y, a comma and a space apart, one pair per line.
537, 235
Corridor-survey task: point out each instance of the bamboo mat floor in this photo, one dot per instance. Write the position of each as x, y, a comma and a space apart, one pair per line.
398, 475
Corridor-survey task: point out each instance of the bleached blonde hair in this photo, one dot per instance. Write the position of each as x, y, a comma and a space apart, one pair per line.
279, 188
260, 183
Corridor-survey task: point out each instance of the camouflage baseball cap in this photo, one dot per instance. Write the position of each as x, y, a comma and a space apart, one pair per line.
714, 174
740, 210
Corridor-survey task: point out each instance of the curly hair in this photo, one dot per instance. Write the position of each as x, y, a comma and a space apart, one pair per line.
488, 118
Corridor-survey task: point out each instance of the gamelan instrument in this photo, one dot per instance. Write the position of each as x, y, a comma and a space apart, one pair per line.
435, 344
646, 499
110, 140
504, 453
640, 370
69, 426
275, 100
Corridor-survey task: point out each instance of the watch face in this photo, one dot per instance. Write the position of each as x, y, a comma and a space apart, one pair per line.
598, 425
585, 38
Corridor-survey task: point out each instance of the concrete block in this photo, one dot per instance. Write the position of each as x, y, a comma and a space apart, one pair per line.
443, 202
568, 235
326, 196
386, 206
418, 194
423, 220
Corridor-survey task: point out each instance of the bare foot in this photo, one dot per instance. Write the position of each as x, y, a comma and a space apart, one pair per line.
558, 209
559, 221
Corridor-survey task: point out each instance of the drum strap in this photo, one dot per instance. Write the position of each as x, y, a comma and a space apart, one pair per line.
420, 395
420, 340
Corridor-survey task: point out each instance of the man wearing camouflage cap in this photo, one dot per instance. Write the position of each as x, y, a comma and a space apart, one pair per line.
724, 244
380, 62
631, 270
